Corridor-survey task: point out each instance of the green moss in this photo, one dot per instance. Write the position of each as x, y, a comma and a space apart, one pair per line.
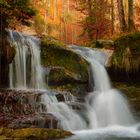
54, 54
50, 41
30, 133
33, 133
127, 52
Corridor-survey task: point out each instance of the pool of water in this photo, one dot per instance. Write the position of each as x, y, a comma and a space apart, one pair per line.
108, 133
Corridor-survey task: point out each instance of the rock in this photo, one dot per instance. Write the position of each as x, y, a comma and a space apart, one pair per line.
108, 53
23, 108
33, 133
107, 44
7, 50
75, 105
38, 120
64, 96
68, 70
126, 58
7, 54
61, 76
55, 54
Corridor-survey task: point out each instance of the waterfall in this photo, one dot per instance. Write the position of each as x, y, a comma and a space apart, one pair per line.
26, 73
105, 105
25, 70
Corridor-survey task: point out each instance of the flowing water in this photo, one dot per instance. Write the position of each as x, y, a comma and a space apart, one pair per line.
25, 71
106, 114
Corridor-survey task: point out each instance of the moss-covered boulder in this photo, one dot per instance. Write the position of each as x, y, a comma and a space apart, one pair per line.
126, 57
66, 66
33, 133
127, 52
107, 44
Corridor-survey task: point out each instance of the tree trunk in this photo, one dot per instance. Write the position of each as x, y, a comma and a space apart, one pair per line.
90, 14
112, 16
131, 25
122, 21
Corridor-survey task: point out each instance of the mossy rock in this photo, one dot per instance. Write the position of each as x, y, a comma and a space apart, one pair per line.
126, 55
107, 44
56, 54
60, 76
33, 133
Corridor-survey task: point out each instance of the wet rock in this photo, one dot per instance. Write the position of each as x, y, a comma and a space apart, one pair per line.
23, 108
75, 105
60, 76
40, 120
64, 96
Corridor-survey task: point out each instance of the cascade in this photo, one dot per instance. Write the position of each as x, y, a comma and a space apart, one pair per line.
25, 70
104, 107
26, 73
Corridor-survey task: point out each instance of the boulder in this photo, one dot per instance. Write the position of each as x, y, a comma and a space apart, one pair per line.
126, 58
33, 133
23, 109
67, 69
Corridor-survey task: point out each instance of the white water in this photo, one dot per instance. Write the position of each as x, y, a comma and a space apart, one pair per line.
26, 73
25, 70
105, 105
106, 109
108, 113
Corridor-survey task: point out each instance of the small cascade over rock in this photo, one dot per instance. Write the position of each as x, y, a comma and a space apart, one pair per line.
27, 74
25, 70
105, 105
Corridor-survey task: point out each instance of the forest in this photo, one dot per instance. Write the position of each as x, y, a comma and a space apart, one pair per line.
70, 69
91, 19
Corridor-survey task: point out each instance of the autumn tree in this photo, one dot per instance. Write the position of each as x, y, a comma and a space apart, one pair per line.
112, 16
15, 11
123, 26
96, 21
131, 25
